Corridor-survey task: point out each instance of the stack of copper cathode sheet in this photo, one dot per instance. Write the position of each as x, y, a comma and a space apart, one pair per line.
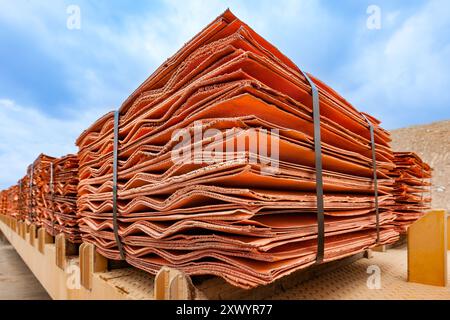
4, 202
216, 166
9, 202
24, 198
62, 214
12, 201
47, 196
38, 204
411, 189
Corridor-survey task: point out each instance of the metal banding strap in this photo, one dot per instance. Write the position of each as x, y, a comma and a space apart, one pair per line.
375, 176
319, 172
115, 166
20, 209
51, 178
422, 181
52, 192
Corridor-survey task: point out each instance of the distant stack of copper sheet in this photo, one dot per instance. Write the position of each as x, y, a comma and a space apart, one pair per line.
38, 203
26, 197
411, 190
61, 215
4, 202
13, 201
216, 169
9, 201
22, 209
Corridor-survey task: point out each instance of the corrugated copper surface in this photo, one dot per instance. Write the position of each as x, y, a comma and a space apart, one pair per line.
411, 189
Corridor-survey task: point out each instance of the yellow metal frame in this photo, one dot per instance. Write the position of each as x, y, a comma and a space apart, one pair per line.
427, 249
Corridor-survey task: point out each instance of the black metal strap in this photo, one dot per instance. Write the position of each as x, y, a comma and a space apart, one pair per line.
430, 181
52, 200
115, 154
422, 203
375, 176
319, 172
20, 206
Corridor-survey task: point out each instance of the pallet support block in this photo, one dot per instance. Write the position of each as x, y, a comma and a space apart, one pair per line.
32, 237
64, 249
25, 229
21, 229
90, 262
381, 248
172, 284
43, 238
448, 232
427, 249
368, 254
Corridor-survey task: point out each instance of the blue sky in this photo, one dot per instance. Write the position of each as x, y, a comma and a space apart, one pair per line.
54, 82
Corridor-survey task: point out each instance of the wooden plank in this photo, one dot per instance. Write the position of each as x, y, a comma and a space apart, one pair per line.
181, 287
32, 236
162, 283
19, 228
381, 248
43, 238
23, 231
427, 249
172, 284
64, 249
448, 232
60, 244
90, 262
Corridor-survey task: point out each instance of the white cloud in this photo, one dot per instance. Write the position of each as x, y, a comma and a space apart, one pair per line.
406, 75
27, 132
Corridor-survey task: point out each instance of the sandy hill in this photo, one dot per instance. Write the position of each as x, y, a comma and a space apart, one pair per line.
432, 143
